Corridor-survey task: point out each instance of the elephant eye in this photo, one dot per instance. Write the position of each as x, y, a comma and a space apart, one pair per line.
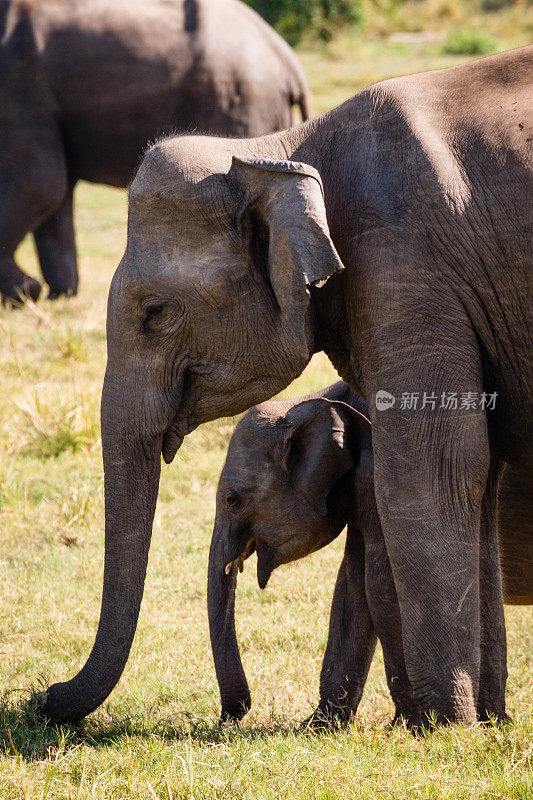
233, 501
150, 314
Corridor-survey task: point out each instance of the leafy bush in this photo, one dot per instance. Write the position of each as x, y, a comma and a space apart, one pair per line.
293, 18
470, 43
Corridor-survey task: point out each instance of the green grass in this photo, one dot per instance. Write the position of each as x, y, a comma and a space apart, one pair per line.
468, 42
158, 735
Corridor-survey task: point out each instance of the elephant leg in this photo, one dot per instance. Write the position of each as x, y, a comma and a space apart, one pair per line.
431, 522
15, 284
56, 247
493, 668
351, 639
385, 610
33, 184
515, 533
15, 223
431, 465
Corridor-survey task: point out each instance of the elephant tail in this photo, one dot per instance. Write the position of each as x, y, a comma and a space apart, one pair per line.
304, 103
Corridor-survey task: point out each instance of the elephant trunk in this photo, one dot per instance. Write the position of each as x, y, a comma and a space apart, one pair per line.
221, 585
132, 469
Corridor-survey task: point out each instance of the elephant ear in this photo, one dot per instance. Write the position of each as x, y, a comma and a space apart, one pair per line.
324, 440
288, 197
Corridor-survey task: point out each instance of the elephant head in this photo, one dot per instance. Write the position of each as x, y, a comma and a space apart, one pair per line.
209, 312
284, 492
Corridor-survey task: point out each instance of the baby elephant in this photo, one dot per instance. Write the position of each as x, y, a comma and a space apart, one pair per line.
286, 490
295, 474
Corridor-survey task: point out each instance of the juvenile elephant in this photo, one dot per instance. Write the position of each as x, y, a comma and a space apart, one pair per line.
84, 86
393, 233
295, 474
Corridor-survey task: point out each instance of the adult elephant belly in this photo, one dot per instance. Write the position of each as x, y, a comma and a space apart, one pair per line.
124, 90
104, 143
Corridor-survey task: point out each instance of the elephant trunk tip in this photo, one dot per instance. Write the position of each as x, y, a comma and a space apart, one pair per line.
50, 708
235, 709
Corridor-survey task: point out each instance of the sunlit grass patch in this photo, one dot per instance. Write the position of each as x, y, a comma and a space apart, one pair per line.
71, 344
51, 427
471, 43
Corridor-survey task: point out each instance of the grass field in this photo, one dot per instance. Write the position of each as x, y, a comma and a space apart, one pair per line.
158, 735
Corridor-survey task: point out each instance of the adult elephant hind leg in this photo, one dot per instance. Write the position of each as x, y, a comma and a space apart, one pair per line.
33, 183
431, 466
56, 246
16, 219
493, 668
385, 611
15, 285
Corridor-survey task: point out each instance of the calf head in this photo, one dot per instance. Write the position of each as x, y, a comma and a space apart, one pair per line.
286, 490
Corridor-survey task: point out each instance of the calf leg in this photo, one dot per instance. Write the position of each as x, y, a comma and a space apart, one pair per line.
493, 666
351, 640
515, 533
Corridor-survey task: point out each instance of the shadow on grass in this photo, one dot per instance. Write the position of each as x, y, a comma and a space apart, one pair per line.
24, 733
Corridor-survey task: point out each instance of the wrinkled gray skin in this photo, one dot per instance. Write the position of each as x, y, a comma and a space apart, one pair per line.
219, 303
86, 84
267, 503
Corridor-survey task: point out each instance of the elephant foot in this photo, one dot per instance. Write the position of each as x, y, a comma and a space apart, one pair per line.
491, 702
328, 717
15, 294
494, 718
235, 709
429, 720
59, 290
410, 717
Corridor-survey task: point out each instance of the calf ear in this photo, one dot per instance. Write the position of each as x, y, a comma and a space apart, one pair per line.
289, 198
323, 441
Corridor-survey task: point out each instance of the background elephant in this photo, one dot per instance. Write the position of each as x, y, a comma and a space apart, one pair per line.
86, 84
296, 473
233, 278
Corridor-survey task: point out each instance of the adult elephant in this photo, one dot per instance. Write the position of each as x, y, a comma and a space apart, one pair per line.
232, 278
85, 85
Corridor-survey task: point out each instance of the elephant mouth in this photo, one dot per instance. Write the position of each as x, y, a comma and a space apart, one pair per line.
265, 561
172, 441
184, 421
238, 562
174, 436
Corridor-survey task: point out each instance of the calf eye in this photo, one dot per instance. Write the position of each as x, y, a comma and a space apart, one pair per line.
150, 315
233, 501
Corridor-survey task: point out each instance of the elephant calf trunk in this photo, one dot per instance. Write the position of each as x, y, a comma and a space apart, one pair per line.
221, 585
